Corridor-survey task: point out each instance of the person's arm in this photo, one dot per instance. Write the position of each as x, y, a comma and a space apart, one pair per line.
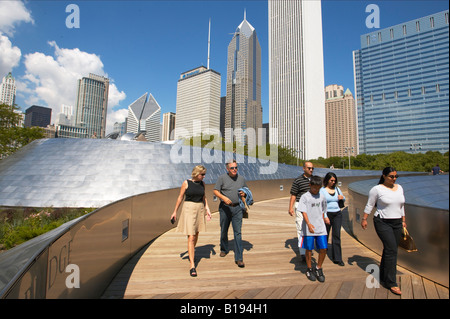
324, 210
179, 200
222, 197
205, 202
371, 201
310, 226
291, 205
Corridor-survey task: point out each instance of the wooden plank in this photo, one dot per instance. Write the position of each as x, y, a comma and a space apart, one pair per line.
418, 289
406, 287
279, 292
430, 289
344, 290
357, 291
306, 292
292, 292
332, 290
442, 291
250, 294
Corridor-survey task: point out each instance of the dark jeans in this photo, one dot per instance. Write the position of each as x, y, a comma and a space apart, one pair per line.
335, 226
233, 215
389, 231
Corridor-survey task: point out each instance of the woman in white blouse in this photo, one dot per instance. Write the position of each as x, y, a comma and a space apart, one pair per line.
389, 219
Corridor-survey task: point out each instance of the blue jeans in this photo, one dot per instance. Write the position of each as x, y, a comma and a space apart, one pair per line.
233, 215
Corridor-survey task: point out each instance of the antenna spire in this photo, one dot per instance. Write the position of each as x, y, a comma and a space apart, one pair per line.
209, 41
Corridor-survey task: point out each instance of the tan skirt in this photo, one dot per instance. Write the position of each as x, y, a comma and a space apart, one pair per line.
192, 218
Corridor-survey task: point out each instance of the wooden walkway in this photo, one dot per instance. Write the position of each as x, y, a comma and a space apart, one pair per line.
272, 266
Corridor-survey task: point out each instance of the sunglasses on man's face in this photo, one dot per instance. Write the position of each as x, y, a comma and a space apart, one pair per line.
234, 167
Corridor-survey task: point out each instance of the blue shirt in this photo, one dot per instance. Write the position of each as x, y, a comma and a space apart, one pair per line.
332, 201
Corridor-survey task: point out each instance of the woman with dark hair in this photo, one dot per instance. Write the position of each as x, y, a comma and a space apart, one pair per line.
333, 194
389, 219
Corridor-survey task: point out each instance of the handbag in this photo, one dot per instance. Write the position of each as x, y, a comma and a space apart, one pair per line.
407, 242
341, 201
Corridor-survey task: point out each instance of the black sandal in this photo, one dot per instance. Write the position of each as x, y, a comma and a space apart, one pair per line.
193, 272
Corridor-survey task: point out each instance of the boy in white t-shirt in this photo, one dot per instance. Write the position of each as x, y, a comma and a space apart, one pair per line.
313, 206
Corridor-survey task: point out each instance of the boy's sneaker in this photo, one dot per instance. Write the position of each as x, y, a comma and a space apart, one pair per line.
310, 274
319, 274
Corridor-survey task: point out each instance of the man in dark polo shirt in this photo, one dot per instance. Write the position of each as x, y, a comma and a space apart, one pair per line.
226, 189
300, 187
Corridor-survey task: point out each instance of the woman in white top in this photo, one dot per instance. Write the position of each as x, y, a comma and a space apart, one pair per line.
389, 219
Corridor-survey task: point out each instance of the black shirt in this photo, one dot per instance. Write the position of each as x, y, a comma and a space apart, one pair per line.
300, 186
195, 191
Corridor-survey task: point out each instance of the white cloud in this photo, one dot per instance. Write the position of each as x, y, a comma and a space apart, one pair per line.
113, 117
11, 14
52, 81
9, 55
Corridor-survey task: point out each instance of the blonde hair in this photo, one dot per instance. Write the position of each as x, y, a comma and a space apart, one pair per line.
197, 170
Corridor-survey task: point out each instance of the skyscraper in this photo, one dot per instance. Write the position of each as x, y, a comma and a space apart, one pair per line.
38, 116
402, 87
296, 77
168, 126
144, 115
92, 105
8, 90
198, 103
243, 110
341, 124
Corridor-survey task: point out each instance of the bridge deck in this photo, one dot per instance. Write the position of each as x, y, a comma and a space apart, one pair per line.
273, 269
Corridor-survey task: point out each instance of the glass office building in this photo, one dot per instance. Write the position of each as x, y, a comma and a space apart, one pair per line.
402, 87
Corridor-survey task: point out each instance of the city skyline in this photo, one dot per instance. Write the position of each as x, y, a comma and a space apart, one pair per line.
114, 40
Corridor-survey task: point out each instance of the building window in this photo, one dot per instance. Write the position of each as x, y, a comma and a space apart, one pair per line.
392, 33
432, 22
383, 96
438, 88
396, 95
368, 40
409, 92
379, 37
423, 90
417, 26
446, 17
404, 29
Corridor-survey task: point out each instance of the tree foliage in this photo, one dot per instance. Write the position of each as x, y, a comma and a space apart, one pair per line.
402, 161
12, 136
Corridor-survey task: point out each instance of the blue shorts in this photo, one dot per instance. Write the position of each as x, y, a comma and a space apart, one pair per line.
308, 242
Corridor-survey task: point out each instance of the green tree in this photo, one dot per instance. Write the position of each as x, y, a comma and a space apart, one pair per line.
12, 136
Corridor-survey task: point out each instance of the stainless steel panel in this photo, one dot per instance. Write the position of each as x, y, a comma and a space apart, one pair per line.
429, 226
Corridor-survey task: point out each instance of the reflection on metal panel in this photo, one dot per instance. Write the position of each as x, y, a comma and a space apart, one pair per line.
427, 221
96, 172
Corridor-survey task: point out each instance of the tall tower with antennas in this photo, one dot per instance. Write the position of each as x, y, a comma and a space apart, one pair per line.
198, 101
243, 110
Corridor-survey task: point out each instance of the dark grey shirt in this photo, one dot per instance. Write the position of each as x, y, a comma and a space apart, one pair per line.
229, 186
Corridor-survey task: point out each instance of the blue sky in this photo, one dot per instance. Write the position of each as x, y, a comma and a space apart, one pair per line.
144, 46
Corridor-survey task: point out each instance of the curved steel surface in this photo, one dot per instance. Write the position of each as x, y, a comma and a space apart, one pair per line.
427, 219
64, 172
